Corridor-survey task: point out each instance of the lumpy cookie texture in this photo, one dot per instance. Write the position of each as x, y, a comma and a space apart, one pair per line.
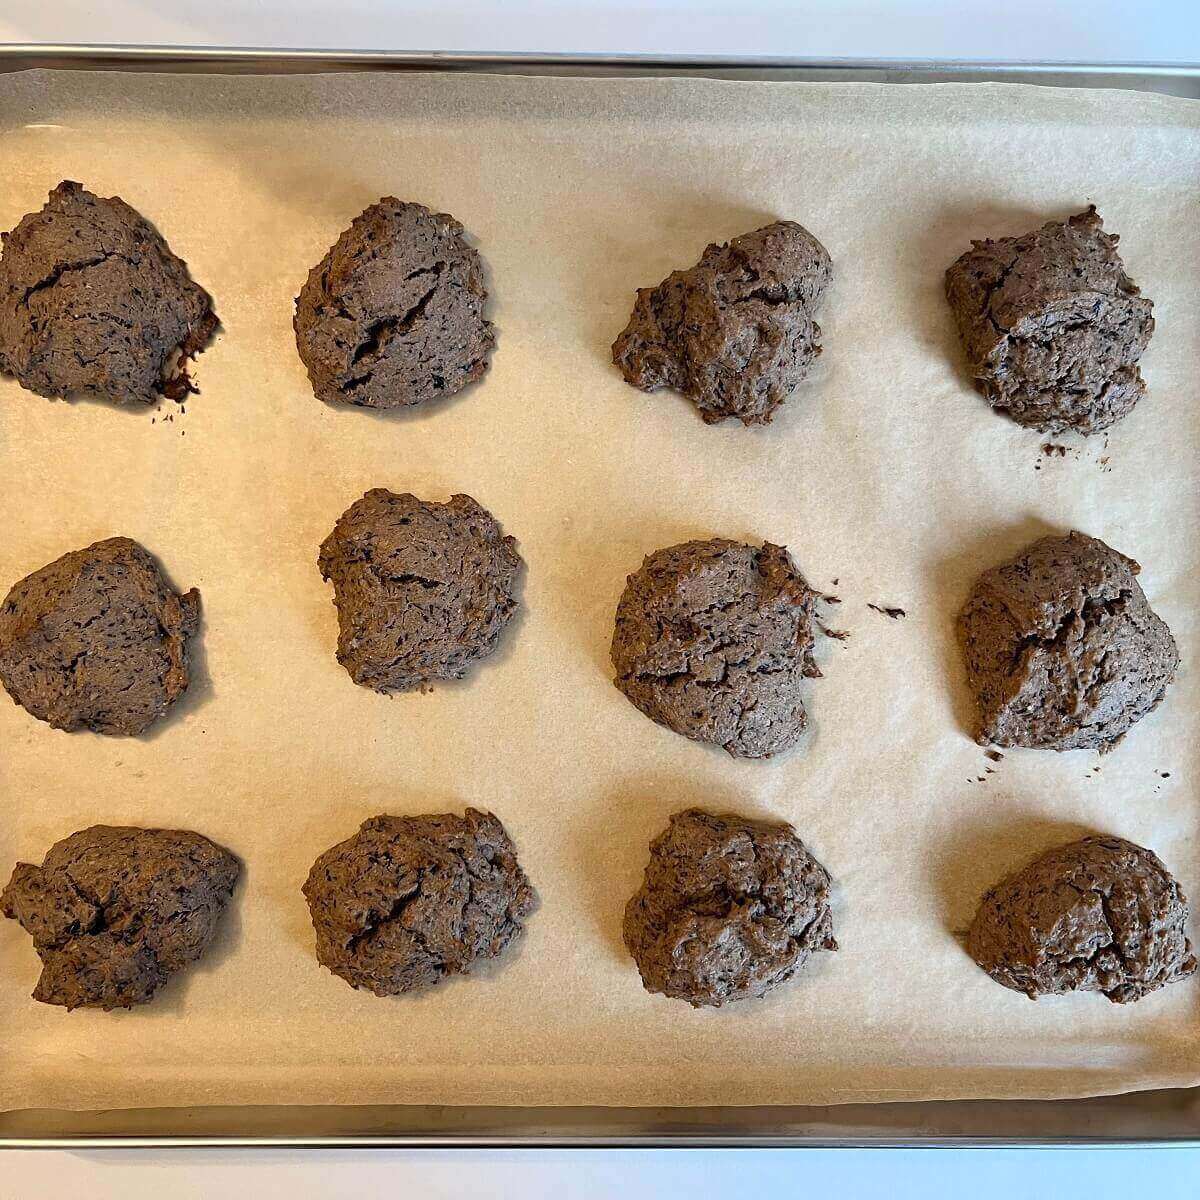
714, 640
1098, 915
1052, 325
1063, 651
93, 303
408, 901
97, 640
392, 316
423, 590
115, 911
735, 333
729, 909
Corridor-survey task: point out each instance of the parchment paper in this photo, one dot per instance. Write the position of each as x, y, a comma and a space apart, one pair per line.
887, 473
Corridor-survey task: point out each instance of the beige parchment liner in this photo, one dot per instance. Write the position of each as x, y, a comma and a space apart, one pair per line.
886, 473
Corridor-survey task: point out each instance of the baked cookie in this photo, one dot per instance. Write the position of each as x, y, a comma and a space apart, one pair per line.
714, 639
1097, 915
729, 908
408, 901
114, 912
1052, 326
93, 303
1063, 651
97, 640
423, 590
735, 333
392, 316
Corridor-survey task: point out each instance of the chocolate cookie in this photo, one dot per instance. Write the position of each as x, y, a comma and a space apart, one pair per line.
1063, 651
423, 590
97, 640
736, 332
1052, 326
714, 640
114, 912
408, 901
93, 303
392, 316
1097, 915
729, 908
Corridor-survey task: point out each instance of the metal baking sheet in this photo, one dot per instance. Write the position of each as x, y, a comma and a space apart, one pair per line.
1151, 1116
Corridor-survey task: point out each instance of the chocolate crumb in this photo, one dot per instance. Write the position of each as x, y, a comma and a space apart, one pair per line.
839, 635
994, 755
888, 611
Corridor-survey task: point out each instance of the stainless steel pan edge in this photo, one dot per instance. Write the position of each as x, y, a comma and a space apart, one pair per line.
1166, 1118
1176, 78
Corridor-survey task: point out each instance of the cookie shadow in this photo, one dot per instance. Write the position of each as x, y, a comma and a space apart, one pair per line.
973, 859
952, 577
613, 842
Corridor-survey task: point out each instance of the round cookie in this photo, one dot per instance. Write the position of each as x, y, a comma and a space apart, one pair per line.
423, 590
392, 316
714, 640
97, 640
1052, 326
735, 333
1063, 652
1097, 915
408, 901
93, 303
729, 908
114, 911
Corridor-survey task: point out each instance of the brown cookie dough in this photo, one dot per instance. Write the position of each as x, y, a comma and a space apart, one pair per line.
93, 303
114, 912
729, 908
1097, 915
392, 316
736, 332
407, 901
714, 640
1063, 651
97, 640
423, 590
1052, 326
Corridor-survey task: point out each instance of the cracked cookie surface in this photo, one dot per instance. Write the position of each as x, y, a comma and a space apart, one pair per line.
1097, 915
735, 333
1063, 651
423, 590
408, 901
97, 640
714, 640
93, 303
115, 911
729, 909
392, 316
1052, 325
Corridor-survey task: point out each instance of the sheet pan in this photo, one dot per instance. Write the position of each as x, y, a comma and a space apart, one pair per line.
670, 422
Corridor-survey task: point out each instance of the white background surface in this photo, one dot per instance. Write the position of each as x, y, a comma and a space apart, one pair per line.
1150, 30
